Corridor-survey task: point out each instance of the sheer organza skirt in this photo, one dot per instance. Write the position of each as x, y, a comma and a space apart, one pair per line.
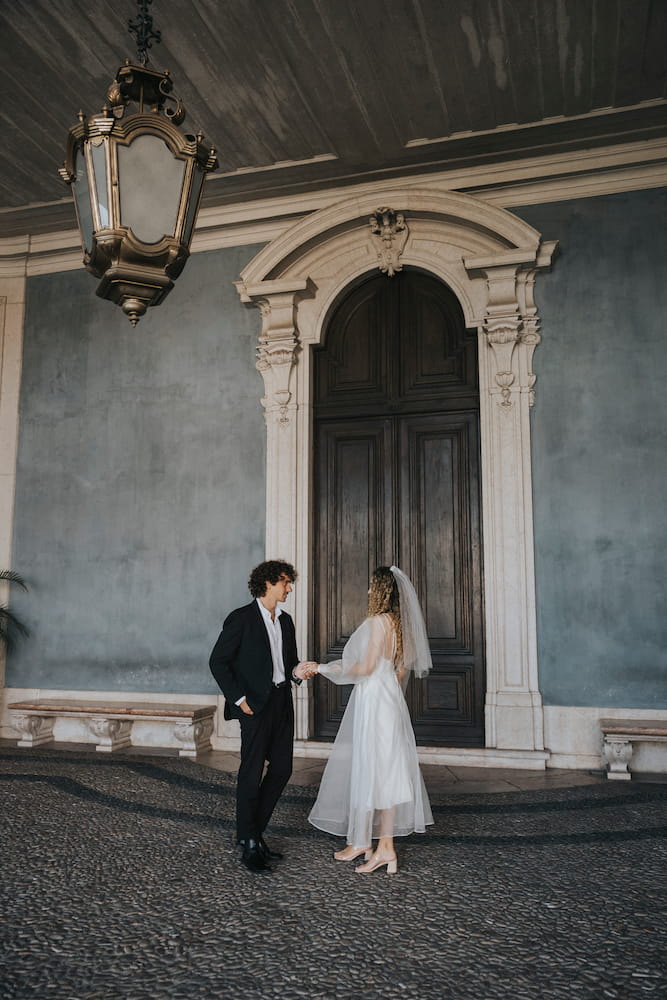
372, 786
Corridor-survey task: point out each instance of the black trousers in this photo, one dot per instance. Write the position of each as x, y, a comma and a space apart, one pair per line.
266, 737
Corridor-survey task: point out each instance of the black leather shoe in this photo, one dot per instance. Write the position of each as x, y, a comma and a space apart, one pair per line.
253, 858
267, 853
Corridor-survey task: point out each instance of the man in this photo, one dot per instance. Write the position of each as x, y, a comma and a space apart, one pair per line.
254, 661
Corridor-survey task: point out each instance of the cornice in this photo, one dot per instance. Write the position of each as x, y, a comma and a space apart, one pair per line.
558, 177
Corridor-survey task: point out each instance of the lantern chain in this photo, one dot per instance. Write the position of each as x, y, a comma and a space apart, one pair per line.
142, 28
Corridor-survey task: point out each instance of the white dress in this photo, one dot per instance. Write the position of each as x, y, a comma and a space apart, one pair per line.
372, 786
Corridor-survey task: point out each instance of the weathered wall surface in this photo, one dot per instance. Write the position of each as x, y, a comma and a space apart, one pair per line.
141, 480
599, 439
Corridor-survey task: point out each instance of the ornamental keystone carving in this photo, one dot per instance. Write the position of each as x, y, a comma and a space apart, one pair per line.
389, 234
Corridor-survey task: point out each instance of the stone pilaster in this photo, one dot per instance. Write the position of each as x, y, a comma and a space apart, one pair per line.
277, 357
508, 335
12, 306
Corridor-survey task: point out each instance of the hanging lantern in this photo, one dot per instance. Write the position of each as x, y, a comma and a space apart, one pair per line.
137, 183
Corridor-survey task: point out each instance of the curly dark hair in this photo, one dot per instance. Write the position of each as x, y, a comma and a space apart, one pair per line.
269, 572
383, 599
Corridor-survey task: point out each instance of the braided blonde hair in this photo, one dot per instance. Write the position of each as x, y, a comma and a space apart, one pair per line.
383, 599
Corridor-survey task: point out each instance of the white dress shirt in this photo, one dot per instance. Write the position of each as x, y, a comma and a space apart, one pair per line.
275, 634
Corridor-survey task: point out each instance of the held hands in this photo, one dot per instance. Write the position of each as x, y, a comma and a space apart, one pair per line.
306, 669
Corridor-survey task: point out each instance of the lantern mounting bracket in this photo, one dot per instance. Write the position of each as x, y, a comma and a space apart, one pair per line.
146, 88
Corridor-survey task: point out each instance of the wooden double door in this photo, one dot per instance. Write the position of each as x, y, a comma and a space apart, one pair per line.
396, 455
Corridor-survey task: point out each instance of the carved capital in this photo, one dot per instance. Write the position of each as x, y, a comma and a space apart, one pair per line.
389, 234
277, 353
510, 321
278, 347
502, 335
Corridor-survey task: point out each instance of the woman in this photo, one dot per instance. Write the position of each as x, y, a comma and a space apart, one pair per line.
372, 786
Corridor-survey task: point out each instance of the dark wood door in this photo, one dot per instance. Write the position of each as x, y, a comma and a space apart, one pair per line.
396, 448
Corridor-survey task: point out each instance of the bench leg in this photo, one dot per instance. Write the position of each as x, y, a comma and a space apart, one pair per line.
195, 737
110, 734
34, 729
616, 754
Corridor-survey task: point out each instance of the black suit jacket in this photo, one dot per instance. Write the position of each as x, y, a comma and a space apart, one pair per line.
241, 659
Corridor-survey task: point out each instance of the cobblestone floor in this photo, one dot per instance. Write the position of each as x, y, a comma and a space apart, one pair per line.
120, 882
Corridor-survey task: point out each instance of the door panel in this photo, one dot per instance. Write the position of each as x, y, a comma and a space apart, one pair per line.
355, 487
441, 545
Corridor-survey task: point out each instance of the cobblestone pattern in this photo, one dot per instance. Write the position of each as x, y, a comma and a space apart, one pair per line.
120, 882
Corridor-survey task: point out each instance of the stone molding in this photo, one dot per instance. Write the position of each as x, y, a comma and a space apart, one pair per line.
634, 166
490, 259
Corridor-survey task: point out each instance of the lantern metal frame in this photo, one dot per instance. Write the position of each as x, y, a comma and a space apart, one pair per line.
134, 272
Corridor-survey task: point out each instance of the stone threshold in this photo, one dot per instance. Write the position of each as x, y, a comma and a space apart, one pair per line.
532, 760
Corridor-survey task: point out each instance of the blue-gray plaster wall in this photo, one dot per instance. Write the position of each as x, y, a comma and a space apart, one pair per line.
599, 446
140, 491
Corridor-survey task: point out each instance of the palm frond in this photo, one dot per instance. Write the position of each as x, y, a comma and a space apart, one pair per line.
10, 626
11, 577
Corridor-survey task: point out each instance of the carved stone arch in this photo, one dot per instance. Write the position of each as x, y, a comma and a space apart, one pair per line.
489, 258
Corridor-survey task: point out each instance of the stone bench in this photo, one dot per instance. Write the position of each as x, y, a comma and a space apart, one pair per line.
618, 737
111, 723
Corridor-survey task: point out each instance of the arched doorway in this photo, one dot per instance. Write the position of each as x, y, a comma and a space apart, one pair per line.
490, 259
397, 479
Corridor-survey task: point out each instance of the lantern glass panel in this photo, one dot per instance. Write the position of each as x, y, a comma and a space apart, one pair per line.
195, 191
98, 151
150, 181
82, 200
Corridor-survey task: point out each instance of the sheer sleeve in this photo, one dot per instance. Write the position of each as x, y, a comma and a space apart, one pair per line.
361, 654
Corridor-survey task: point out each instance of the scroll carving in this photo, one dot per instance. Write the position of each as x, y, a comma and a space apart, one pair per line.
277, 354
530, 338
503, 336
389, 234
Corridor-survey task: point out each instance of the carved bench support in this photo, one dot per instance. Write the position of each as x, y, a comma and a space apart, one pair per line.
195, 737
34, 729
618, 739
110, 734
616, 755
